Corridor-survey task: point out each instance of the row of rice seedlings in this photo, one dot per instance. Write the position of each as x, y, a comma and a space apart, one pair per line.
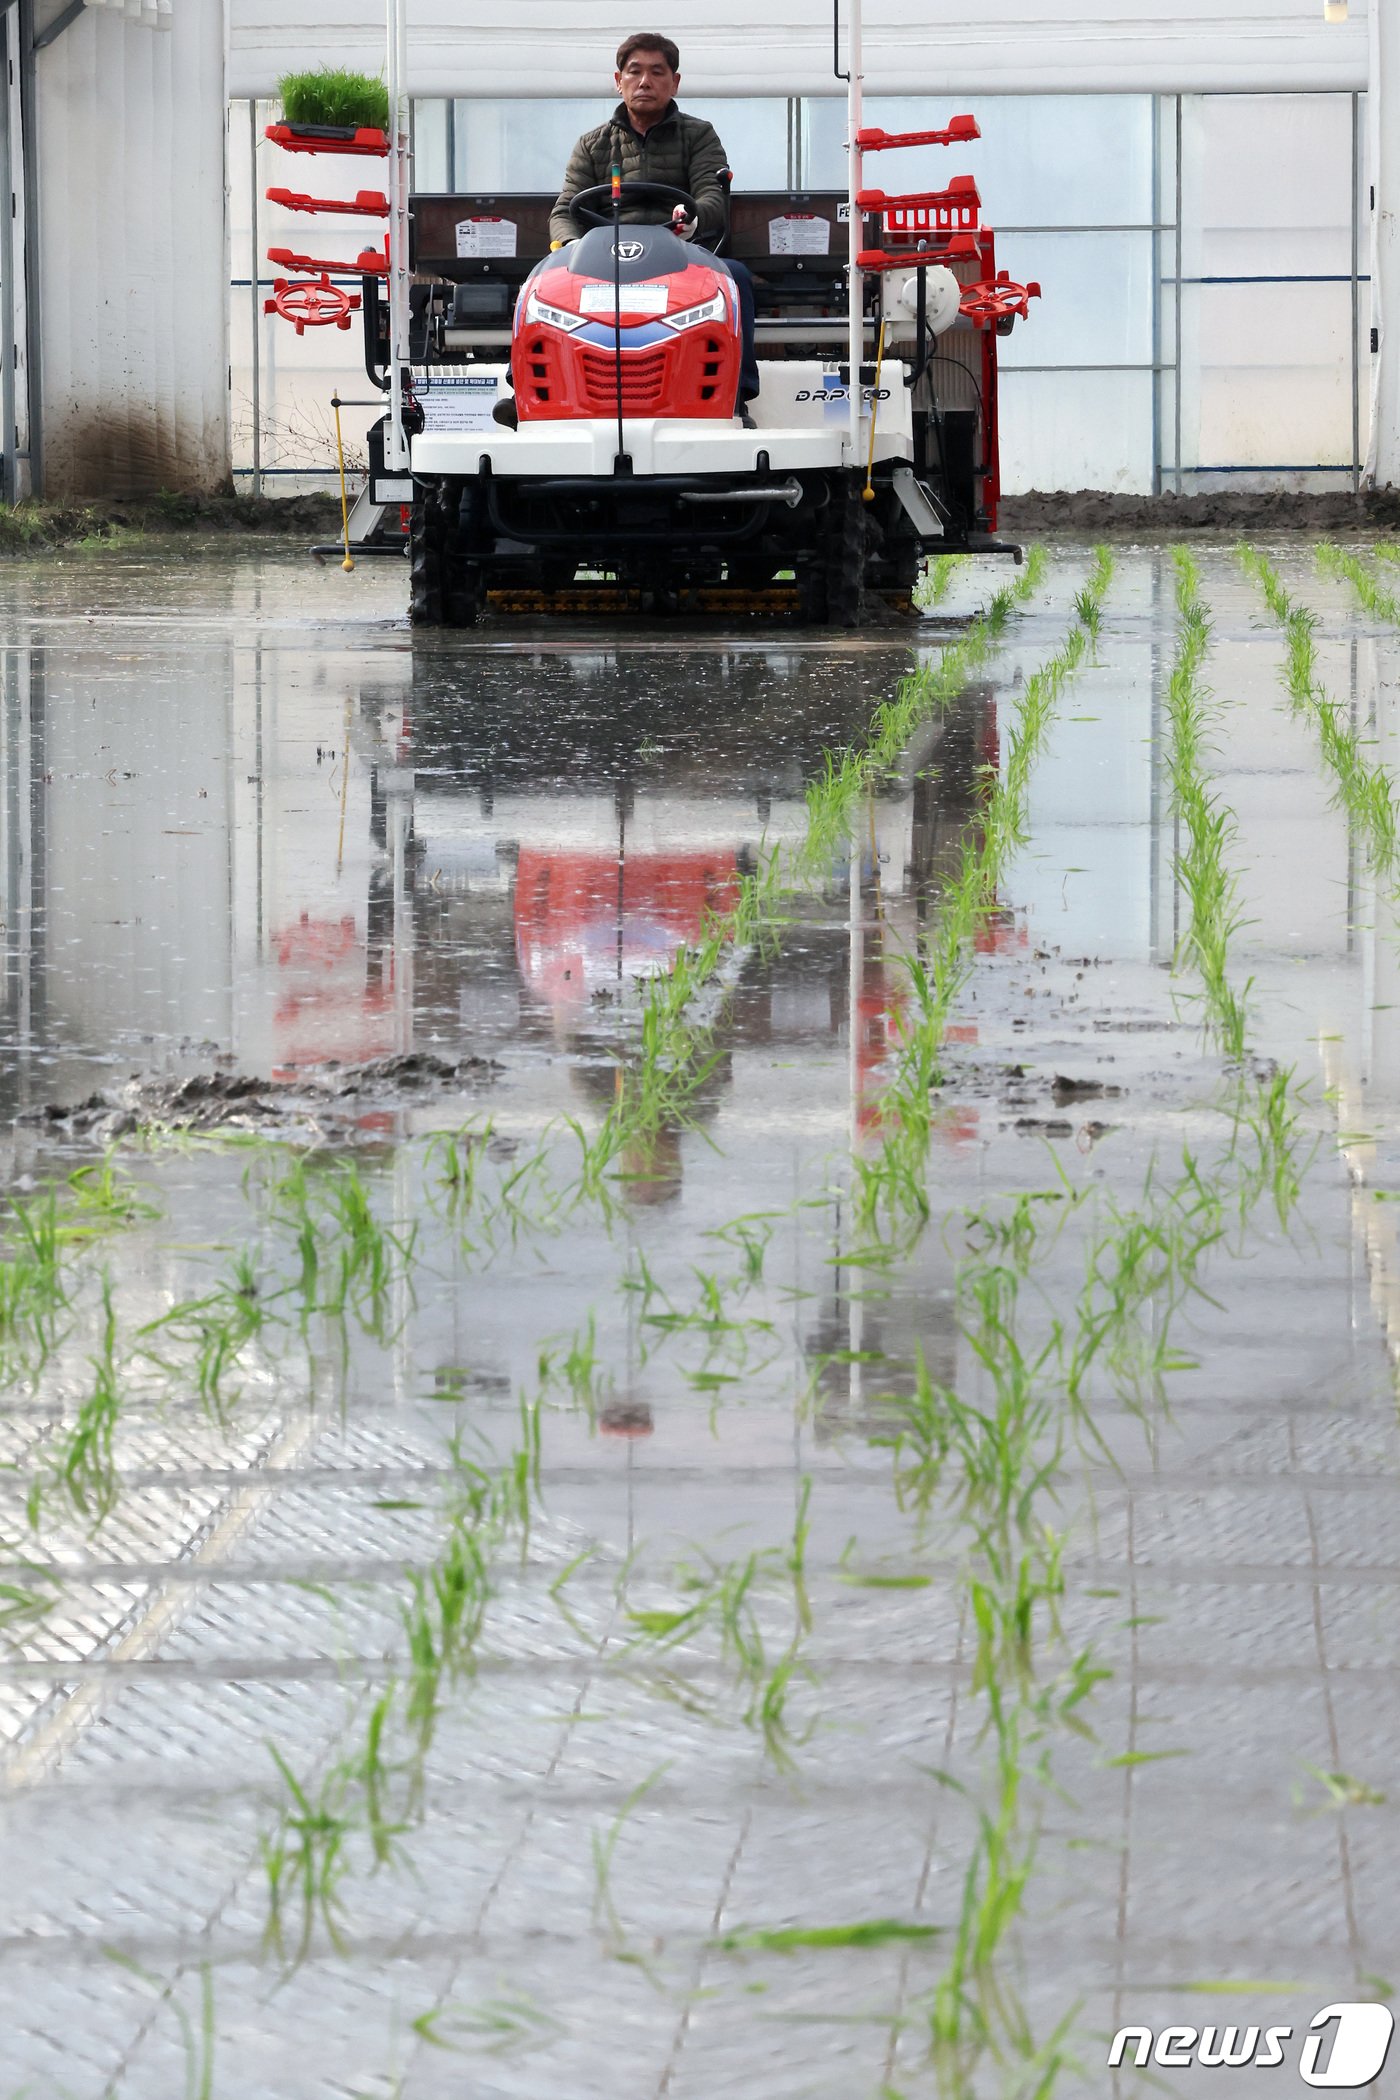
1337, 562
891, 1183
350, 1260
78, 1467
832, 799
718, 1602
38, 1239
1363, 786
677, 1056
932, 587
365, 1802
1202, 868
993, 1469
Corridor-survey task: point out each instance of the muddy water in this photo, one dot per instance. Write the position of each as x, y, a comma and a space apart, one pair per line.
274, 869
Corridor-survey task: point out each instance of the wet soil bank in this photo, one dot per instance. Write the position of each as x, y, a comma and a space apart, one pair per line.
31, 528
1219, 510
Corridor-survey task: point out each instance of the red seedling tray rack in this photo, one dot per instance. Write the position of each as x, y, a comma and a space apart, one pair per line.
956, 132
368, 263
957, 209
957, 247
367, 204
329, 139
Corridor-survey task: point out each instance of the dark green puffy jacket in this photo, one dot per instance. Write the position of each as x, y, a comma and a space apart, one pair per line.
681, 151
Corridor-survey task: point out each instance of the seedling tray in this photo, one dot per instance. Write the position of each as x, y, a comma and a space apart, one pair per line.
329, 138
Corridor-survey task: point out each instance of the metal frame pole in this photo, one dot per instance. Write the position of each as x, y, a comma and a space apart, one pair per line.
1156, 295
1355, 294
33, 286
255, 307
856, 286
1176, 350
396, 455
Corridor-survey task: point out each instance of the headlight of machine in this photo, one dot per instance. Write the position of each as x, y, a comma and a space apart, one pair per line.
552, 316
713, 310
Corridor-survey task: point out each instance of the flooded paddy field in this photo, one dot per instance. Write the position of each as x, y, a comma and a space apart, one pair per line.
698, 1336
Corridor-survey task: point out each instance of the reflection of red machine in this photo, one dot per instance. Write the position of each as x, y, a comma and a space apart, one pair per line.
327, 1006
586, 921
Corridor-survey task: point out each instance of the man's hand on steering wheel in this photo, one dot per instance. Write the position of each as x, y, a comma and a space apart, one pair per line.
586, 209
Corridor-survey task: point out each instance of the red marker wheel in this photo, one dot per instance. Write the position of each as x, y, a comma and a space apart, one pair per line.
319, 304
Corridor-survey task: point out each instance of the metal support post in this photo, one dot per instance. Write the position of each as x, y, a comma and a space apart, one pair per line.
856, 285
396, 451
1355, 293
255, 308
1176, 318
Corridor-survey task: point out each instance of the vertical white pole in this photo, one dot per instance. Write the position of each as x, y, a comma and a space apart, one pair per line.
1382, 112
856, 180
396, 459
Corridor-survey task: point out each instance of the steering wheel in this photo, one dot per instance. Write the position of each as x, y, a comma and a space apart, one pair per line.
583, 206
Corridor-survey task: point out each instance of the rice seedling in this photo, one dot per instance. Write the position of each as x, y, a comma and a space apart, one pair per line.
216, 1329
751, 1236
578, 1369
33, 1292
1339, 1790
933, 588
84, 1470
604, 1847
1266, 1110
1363, 786
21, 1606
1201, 868
349, 1260
794, 1939
102, 1198
1379, 602
443, 1621
334, 95
304, 1861
452, 1162
374, 1776
43, 1230
719, 1600
197, 2042
508, 2025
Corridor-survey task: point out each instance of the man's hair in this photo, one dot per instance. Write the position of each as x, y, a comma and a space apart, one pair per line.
645, 40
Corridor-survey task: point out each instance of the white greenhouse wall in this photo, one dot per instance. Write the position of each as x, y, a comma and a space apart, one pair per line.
133, 254
729, 47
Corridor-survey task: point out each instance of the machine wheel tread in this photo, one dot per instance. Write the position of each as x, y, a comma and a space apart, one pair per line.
425, 558
845, 559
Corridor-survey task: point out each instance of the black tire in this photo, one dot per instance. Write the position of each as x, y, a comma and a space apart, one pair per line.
464, 591
425, 607
844, 556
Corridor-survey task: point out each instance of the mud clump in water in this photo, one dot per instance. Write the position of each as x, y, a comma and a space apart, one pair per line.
219, 1100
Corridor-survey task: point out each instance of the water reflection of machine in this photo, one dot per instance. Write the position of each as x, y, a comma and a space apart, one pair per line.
581, 818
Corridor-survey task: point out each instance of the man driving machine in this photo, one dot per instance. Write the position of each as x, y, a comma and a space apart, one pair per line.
653, 141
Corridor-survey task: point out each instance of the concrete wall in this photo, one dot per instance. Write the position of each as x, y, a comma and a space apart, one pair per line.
133, 272
729, 47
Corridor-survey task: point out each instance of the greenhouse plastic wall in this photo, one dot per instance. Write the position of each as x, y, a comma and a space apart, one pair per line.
1233, 357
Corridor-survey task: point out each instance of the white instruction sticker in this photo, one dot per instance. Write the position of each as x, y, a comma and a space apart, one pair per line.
480, 237
800, 233
634, 299
460, 404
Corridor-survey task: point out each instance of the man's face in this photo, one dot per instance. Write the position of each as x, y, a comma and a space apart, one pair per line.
646, 84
